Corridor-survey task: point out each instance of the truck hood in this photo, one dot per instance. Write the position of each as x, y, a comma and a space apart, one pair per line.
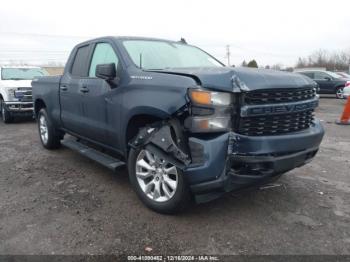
15, 83
241, 78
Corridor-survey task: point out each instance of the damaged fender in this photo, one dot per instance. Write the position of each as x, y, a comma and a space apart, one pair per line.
159, 140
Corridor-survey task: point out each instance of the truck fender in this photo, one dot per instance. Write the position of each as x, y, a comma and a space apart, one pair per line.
158, 139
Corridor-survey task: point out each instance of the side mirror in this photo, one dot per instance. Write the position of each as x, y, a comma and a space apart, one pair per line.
327, 78
106, 71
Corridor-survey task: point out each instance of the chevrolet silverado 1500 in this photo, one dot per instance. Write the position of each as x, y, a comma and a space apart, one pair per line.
183, 123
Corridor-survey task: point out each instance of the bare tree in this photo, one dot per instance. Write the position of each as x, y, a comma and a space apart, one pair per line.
334, 61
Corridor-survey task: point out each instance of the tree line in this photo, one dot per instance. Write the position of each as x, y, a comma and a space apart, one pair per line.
333, 61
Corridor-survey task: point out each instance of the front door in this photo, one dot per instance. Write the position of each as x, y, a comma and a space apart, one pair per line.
100, 104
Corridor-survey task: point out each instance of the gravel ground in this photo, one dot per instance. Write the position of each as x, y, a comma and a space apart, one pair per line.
58, 202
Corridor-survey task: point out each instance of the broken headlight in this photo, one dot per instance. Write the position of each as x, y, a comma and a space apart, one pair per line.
210, 111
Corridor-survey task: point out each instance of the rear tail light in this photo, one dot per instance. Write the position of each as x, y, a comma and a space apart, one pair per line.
347, 83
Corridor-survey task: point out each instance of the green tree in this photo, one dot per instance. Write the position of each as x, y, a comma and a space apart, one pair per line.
253, 63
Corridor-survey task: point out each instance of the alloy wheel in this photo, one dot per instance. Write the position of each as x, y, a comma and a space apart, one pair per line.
43, 129
157, 178
339, 93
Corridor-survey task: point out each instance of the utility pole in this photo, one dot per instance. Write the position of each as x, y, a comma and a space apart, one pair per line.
228, 55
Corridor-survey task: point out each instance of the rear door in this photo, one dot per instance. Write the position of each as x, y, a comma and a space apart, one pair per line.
71, 95
101, 100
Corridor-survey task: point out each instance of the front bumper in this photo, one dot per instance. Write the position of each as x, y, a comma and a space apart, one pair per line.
232, 161
20, 108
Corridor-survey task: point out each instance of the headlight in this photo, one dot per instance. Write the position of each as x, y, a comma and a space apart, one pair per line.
211, 111
204, 97
11, 92
208, 124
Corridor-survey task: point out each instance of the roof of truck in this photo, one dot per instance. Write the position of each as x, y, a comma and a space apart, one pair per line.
131, 38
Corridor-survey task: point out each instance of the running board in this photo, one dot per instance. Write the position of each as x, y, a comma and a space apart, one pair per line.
101, 158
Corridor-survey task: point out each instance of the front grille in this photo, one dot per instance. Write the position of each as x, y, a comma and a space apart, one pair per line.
260, 97
24, 94
276, 124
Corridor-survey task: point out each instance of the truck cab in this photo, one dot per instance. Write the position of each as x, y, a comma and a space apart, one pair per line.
16, 90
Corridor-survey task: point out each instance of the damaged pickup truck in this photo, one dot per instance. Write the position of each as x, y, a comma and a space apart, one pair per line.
183, 123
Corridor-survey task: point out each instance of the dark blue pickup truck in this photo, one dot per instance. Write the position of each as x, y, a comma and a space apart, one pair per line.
186, 126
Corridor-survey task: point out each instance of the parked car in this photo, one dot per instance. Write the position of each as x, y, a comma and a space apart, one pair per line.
329, 82
183, 123
16, 90
343, 75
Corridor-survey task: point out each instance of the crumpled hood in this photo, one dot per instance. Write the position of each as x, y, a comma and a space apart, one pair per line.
15, 83
239, 79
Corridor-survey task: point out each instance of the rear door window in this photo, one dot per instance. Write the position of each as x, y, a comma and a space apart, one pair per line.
103, 54
79, 67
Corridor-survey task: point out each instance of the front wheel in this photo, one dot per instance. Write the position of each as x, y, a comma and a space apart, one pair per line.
49, 136
339, 93
5, 114
159, 184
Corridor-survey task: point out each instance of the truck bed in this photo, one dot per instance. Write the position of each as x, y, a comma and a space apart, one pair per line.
47, 89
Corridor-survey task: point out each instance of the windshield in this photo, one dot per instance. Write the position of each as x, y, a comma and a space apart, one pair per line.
21, 73
160, 55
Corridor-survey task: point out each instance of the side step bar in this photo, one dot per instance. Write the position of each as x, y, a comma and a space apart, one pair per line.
101, 158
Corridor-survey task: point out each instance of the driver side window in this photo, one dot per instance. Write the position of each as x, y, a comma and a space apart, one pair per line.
103, 54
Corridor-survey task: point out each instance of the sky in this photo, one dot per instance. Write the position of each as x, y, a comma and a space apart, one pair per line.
270, 31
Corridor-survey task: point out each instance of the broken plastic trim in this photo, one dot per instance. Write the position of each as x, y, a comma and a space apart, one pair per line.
159, 140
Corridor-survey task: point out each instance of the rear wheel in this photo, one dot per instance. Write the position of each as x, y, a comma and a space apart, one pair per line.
159, 184
5, 114
49, 136
339, 92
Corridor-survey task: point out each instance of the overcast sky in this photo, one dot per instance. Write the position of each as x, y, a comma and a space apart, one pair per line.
270, 31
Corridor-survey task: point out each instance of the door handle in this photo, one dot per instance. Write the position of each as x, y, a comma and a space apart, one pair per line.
63, 88
84, 89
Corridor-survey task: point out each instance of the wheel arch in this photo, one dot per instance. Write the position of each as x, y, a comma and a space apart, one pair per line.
136, 122
339, 86
38, 105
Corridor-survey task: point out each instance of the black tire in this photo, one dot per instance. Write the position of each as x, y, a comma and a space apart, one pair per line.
54, 137
5, 114
339, 92
180, 200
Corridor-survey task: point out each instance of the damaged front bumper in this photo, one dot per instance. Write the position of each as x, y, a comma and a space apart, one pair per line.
231, 161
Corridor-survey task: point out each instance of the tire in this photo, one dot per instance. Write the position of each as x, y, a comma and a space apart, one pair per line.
339, 92
49, 136
178, 197
5, 114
